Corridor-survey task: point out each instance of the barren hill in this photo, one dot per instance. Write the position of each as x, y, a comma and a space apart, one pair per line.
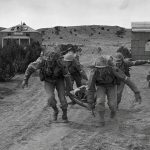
1, 28
109, 38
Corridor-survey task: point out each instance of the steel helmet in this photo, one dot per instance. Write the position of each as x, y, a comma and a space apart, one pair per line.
69, 57
118, 57
102, 61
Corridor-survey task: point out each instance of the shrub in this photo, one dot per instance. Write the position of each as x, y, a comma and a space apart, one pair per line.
15, 58
75, 30
63, 48
70, 32
57, 30
121, 32
91, 34
125, 52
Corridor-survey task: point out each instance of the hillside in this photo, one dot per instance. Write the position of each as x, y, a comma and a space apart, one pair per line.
1, 28
89, 37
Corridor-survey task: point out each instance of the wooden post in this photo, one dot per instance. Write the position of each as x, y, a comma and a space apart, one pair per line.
2, 42
19, 41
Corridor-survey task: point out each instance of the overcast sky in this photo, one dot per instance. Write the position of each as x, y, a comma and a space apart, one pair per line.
49, 13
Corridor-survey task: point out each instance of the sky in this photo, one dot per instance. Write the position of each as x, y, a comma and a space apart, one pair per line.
49, 13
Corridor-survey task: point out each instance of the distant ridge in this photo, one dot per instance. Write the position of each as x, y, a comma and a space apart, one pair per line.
1, 28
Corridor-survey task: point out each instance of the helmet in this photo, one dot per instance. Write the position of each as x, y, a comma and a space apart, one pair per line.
102, 61
69, 57
118, 57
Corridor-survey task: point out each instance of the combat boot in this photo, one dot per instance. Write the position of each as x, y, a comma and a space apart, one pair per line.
64, 115
55, 113
102, 120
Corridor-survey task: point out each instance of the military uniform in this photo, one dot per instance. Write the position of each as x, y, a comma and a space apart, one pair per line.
148, 79
75, 69
124, 65
54, 76
103, 80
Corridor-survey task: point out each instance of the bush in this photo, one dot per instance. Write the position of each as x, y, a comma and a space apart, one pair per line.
121, 32
75, 30
15, 59
70, 32
125, 52
57, 30
63, 48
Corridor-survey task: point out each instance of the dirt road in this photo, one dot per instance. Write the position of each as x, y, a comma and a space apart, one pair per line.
25, 121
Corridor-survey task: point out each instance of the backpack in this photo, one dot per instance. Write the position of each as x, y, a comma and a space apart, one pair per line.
51, 68
104, 76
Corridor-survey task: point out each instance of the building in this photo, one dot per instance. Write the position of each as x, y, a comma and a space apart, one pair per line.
22, 34
140, 40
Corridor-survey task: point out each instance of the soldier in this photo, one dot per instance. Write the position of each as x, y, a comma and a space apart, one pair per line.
124, 65
148, 79
75, 69
103, 80
54, 73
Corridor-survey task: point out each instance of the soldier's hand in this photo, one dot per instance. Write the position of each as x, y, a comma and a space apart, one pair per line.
24, 84
138, 98
148, 61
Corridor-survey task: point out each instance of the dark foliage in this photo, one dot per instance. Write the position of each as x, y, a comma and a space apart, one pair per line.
75, 30
57, 30
125, 52
15, 59
70, 32
121, 32
64, 48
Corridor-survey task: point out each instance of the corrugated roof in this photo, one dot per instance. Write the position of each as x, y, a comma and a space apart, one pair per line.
19, 28
140, 26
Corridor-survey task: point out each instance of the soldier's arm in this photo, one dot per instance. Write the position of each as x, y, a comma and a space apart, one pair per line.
120, 74
80, 69
91, 87
32, 68
136, 63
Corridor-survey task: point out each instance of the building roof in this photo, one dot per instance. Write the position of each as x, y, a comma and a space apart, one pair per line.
19, 28
140, 26
16, 37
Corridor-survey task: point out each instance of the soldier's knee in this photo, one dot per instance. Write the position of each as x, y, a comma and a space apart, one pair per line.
51, 101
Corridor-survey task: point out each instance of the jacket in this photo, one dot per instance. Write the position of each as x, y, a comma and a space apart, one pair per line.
76, 69
117, 73
60, 71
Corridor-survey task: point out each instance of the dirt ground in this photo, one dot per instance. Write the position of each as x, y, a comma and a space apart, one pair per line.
26, 121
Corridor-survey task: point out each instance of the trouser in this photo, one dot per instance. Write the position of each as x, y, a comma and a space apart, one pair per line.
77, 79
111, 93
60, 87
120, 89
